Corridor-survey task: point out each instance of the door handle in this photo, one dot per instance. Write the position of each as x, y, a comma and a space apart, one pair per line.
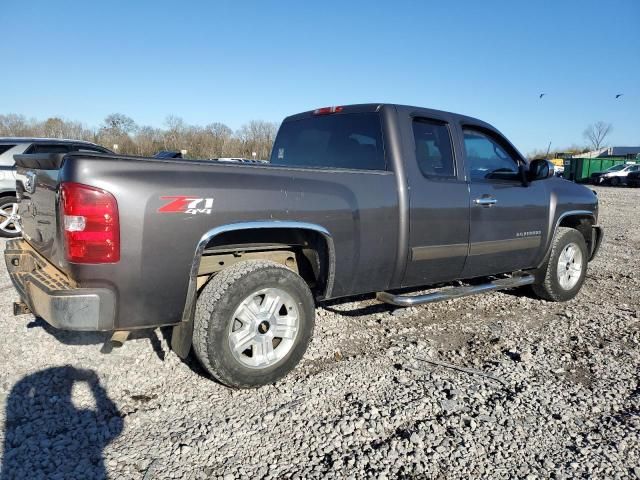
485, 201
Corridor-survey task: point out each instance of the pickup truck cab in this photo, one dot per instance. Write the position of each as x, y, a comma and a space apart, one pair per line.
355, 199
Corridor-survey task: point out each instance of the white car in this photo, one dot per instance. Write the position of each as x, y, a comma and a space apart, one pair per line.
617, 176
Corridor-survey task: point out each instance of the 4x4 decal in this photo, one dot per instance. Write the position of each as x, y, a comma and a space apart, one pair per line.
186, 204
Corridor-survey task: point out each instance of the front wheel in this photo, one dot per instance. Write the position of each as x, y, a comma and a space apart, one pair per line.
253, 323
9, 218
614, 182
562, 276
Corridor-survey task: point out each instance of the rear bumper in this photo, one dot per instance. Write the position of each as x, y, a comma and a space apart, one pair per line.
52, 296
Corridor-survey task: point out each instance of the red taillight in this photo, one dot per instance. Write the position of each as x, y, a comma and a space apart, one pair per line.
327, 110
91, 224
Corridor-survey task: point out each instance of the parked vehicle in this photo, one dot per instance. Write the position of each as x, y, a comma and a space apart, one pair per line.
615, 175
633, 179
10, 146
355, 199
580, 169
558, 170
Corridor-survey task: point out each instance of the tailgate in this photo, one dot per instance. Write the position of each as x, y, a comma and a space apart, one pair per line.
37, 185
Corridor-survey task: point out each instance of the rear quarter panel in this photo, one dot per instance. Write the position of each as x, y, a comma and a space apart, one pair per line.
358, 208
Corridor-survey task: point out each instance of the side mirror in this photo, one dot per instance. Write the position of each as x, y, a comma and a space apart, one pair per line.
540, 169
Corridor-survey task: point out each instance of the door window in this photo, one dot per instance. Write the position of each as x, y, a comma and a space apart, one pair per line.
48, 148
434, 153
88, 148
5, 148
487, 159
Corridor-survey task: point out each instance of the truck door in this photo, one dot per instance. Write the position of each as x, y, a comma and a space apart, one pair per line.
507, 218
439, 205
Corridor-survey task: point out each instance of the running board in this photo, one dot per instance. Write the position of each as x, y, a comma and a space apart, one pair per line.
456, 292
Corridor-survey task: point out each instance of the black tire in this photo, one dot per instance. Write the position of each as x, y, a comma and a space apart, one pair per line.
214, 320
5, 203
547, 284
614, 182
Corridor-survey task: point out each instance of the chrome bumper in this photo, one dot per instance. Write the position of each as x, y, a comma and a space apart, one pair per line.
51, 295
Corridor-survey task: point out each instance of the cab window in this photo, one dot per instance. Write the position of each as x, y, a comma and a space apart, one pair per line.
48, 148
487, 159
434, 153
351, 141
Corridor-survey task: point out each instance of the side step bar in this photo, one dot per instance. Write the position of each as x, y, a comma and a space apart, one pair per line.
456, 292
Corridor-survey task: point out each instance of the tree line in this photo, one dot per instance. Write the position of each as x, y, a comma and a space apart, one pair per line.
214, 140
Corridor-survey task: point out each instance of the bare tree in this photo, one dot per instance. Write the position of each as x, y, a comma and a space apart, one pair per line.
116, 130
12, 125
118, 124
257, 136
597, 133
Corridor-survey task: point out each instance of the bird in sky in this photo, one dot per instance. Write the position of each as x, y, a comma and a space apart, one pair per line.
619, 95
543, 94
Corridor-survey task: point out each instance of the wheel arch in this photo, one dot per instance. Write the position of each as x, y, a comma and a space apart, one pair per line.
581, 220
269, 234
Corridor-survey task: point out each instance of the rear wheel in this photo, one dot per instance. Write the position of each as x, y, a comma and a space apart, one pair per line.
253, 323
562, 276
9, 218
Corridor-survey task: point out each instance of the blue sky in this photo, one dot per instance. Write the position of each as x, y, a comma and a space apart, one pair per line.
233, 61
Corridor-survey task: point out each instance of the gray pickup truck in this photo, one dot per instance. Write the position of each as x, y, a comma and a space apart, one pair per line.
374, 198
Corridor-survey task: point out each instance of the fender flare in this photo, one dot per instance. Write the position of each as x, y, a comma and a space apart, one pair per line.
263, 224
552, 233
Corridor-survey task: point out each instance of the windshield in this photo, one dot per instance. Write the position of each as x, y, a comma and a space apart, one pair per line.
615, 168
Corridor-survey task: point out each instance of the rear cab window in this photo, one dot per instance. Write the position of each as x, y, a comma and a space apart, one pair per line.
345, 140
434, 152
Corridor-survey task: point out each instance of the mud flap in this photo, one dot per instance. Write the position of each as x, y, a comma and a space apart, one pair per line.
181, 337
597, 234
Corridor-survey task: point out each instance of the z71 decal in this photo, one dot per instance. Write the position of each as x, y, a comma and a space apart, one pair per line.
185, 204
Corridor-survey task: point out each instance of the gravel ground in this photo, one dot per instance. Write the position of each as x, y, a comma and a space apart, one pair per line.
564, 400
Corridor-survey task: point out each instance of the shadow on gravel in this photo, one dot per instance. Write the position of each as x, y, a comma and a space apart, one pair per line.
377, 307
525, 292
96, 338
191, 361
68, 337
47, 436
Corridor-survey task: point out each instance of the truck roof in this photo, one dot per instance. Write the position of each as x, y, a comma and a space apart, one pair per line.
376, 107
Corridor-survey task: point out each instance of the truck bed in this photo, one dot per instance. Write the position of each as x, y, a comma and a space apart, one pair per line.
158, 245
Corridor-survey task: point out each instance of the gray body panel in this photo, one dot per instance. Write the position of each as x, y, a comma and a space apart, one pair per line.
389, 229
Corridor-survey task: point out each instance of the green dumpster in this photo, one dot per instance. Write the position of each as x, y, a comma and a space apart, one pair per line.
580, 169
